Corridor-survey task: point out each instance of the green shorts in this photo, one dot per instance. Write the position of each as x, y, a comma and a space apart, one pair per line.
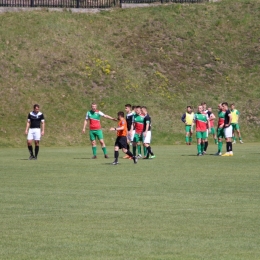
93, 134
212, 131
221, 133
138, 138
201, 135
235, 126
187, 128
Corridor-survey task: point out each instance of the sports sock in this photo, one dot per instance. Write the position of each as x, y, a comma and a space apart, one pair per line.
127, 147
116, 156
134, 150
220, 144
202, 147
234, 138
216, 141
36, 150
186, 139
240, 138
30, 150
94, 150
199, 148
129, 153
190, 139
149, 151
104, 150
230, 147
206, 145
139, 149
145, 151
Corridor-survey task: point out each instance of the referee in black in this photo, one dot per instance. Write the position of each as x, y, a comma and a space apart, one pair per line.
34, 130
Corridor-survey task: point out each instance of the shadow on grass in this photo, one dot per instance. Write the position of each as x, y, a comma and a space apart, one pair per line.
83, 159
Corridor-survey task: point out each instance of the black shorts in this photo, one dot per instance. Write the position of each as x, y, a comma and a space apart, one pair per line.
121, 142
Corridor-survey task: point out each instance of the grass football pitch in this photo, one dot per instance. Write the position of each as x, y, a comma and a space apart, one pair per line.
176, 206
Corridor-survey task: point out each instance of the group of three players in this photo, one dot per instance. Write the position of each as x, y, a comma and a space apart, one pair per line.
203, 119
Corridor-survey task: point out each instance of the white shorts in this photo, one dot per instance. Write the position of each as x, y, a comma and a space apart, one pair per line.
228, 131
147, 138
34, 134
131, 138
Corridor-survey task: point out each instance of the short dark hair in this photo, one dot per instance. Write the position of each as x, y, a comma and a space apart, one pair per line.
138, 107
189, 107
133, 107
203, 103
36, 105
128, 105
225, 103
121, 113
232, 104
144, 107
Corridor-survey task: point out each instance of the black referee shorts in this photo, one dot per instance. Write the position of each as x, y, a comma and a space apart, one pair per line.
121, 142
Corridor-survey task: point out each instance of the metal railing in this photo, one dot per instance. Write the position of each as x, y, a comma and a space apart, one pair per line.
84, 3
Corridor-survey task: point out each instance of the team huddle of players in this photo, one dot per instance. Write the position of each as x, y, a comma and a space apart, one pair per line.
203, 120
134, 129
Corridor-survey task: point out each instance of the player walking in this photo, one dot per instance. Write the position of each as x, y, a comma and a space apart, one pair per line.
202, 124
130, 131
235, 115
36, 125
93, 116
187, 119
121, 140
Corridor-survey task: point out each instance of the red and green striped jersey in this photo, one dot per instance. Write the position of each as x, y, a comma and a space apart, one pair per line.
138, 121
201, 121
94, 119
221, 118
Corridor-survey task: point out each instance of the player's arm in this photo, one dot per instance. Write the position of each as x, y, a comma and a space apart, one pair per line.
43, 127
117, 128
84, 126
183, 118
230, 120
208, 122
28, 123
192, 124
109, 117
146, 128
212, 117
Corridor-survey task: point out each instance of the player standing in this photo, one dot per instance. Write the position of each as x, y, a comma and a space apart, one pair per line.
93, 116
235, 115
138, 123
121, 140
228, 129
187, 119
220, 129
202, 124
129, 122
36, 126
211, 123
147, 134
207, 113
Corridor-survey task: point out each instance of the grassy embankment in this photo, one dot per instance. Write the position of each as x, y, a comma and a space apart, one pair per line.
164, 57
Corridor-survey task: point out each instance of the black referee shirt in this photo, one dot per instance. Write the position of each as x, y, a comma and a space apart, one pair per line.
129, 120
35, 119
226, 119
147, 120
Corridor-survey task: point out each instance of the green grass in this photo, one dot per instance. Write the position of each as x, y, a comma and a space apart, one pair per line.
164, 57
177, 206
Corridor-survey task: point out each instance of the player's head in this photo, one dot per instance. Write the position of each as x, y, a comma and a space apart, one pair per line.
128, 108
36, 108
200, 108
120, 115
210, 109
138, 110
189, 108
220, 107
133, 108
204, 105
225, 105
144, 110
93, 106
232, 106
